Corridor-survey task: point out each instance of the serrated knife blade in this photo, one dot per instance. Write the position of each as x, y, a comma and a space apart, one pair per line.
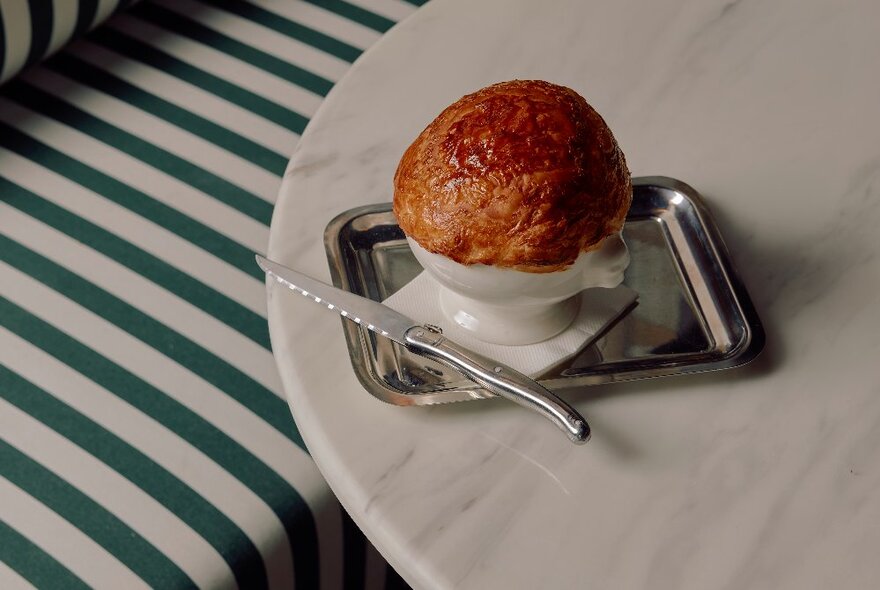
371, 314
429, 342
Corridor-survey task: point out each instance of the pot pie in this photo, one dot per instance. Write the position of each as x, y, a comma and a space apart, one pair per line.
522, 175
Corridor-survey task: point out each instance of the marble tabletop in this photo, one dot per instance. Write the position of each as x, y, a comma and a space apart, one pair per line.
766, 476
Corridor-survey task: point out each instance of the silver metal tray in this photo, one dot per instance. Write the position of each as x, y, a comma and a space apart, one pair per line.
693, 312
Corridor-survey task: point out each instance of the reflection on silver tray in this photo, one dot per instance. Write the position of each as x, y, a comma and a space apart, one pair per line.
693, 312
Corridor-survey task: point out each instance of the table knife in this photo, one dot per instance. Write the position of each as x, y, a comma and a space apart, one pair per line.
429, 341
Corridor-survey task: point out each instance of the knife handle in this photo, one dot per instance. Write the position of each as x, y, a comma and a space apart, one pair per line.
499, 379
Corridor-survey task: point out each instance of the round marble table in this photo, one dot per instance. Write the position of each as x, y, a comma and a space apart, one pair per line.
762, 477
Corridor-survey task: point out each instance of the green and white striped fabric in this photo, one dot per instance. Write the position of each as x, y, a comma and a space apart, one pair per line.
144, 436
33, 29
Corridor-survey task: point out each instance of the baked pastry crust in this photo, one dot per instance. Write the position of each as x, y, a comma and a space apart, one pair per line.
522, 174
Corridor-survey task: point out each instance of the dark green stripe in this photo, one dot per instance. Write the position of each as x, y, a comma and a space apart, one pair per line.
393, 581
355, 13
123, 4
287, 27
198, 32
87, 74
283, 499
239, 386
55, 108
186, 227
210, 301
91, 518
34, 564
85, 16
354, 547
417, 2
206, 520
142, 52
42, 17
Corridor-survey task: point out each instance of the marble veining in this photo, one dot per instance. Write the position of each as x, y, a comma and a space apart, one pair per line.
761, 477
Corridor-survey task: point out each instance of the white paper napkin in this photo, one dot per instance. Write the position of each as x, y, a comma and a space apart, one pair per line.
420, 300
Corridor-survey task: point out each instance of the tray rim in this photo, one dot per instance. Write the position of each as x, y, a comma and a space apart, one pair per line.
745, 351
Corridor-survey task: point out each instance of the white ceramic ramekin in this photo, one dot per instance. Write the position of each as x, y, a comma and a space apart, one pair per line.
512, 307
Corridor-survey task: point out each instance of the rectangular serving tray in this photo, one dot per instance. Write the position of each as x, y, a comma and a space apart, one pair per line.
693, 312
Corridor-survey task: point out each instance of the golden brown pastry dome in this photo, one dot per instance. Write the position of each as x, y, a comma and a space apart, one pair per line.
521, 174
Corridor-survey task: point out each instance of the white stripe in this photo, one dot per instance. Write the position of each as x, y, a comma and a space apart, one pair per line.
64, 14
66, 544
131, 171
259, 37
226, 414
127, 502
11, 579
324, 21
396, 10
181, 316
220, 64
174, 454
105, 9
16, 16
150, 128
190, 97
138, 231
